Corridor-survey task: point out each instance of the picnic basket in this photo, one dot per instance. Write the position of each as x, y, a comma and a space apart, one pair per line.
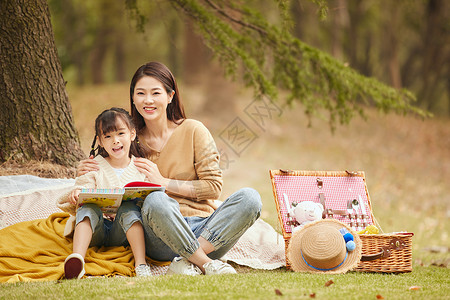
385, 252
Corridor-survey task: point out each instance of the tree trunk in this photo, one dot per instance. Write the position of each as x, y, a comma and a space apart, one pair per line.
356, 13
434, 53
98, 56
391, 46
71, 14
119, 54
103, 40
173, 56
36, 120
196, 56
340, 23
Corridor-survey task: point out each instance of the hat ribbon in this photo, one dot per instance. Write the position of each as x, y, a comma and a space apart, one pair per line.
346, 254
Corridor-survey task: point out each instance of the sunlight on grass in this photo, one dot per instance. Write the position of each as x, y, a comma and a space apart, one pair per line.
432, 282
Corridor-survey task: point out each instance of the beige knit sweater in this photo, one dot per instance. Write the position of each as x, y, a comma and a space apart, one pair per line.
190, 154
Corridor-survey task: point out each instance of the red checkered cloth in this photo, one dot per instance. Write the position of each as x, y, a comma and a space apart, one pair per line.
336, 190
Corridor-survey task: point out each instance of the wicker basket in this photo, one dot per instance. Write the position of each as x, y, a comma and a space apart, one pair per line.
386, 253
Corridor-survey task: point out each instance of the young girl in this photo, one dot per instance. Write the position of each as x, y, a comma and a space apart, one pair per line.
117, 145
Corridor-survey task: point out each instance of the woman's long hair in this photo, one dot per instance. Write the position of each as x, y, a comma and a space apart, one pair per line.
157, 70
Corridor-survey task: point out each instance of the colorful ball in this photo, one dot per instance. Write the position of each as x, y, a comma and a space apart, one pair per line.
350, 245
348, 237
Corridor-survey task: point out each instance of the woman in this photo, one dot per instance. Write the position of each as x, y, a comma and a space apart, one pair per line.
184, 224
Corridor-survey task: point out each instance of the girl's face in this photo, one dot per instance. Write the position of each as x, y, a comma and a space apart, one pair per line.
117, 143
151, 98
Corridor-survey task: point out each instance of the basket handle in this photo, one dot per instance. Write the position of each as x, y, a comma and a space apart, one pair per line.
394, 244
385, 252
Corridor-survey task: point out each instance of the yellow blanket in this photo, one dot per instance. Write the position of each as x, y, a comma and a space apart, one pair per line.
36, 250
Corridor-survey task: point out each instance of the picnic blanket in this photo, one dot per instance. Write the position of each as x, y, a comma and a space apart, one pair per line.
35, 250
32, 245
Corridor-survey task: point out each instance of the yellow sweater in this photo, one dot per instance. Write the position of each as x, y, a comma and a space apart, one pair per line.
190, 154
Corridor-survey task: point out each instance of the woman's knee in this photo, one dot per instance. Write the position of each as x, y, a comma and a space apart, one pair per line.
250, 200
252, 197
157, 203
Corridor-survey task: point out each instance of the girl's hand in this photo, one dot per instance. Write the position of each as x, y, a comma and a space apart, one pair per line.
87, 165
73, 196
150, 170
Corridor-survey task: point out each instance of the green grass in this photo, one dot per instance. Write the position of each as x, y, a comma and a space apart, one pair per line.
407, 166
433, 283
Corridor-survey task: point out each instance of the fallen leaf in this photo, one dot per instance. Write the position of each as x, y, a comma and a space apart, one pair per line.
329, 282
414, 288
130, 282
380, 297
438, 249
313, 295
440, 263
278, 292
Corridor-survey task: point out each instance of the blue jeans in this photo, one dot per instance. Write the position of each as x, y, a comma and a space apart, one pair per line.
106, 232
169, 234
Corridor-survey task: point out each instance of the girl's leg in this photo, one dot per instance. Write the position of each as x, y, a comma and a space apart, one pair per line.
89, 231
135, 236
127, 229
82, 237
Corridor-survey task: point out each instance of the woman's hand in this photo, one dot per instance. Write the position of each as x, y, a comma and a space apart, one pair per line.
150, 170
87, 165
73, 196
178, 187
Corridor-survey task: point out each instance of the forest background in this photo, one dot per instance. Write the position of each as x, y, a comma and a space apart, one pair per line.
402, 43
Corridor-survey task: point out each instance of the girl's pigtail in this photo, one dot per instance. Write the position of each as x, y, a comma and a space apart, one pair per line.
138, 150
93, 146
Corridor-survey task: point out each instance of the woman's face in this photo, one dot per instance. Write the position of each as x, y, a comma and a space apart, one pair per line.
151, 99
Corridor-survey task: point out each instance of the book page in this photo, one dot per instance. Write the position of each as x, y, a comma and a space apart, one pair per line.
108, 200
140, 192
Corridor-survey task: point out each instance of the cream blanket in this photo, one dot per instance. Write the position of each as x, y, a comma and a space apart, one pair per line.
32, 245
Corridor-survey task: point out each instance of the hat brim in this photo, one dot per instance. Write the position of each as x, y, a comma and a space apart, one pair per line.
299, 265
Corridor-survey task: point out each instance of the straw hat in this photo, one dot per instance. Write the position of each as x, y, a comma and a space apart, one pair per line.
319, 247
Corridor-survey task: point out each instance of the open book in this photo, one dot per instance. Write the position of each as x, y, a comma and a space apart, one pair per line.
109, 200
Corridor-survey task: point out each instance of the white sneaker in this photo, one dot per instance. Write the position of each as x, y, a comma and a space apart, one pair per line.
143, 270
215, 267
74, 266
181, 265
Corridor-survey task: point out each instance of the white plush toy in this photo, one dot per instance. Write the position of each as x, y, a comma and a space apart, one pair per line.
306, 212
